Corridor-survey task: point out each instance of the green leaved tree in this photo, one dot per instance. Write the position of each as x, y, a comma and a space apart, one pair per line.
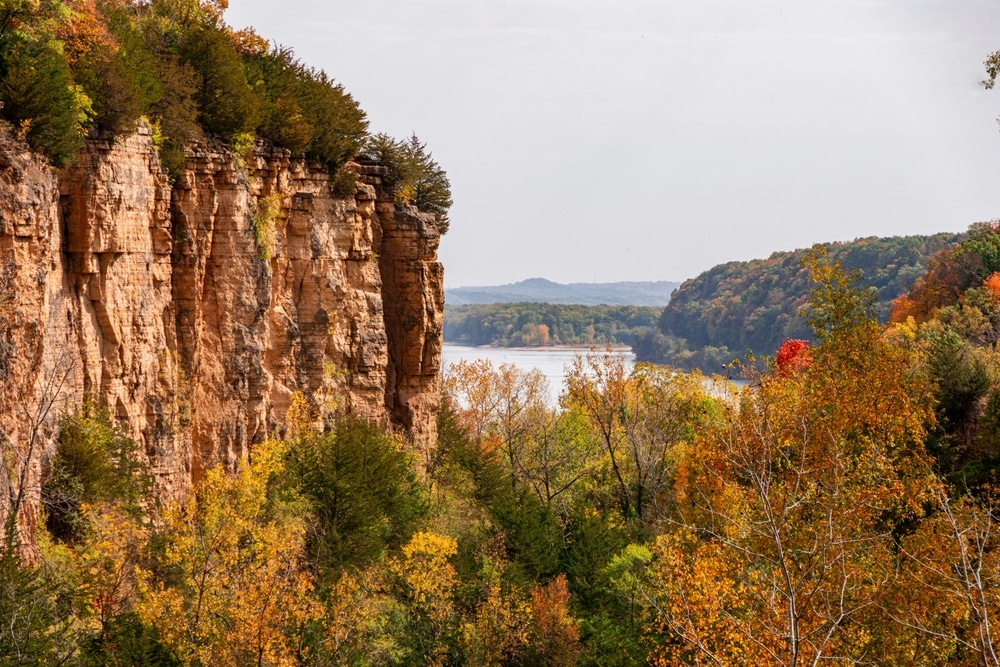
413, 175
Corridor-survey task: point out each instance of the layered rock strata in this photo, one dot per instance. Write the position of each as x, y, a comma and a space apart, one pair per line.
196, 310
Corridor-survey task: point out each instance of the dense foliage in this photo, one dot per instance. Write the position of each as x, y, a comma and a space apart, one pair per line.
741, 306
72, 67
541, 324
953, 313
412, 175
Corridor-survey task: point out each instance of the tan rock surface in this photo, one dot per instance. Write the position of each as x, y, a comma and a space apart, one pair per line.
160, 301
413, 288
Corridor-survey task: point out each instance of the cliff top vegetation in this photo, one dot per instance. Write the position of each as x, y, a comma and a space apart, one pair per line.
70, 68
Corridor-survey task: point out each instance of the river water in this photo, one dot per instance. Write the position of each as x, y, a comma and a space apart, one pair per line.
552, 361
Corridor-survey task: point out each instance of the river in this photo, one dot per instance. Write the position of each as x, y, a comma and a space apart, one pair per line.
552, 361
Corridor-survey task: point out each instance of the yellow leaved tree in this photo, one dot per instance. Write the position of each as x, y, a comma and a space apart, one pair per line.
502, 406
230, 587
946, 601
497, 633
105, 563
426, 581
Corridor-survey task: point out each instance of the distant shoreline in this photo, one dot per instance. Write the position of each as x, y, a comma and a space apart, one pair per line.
582, 348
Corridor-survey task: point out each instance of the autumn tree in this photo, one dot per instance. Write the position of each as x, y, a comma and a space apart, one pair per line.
425, 580
498, 630
640, 416
239, 593
598, 387
783, 540
357, 627
946, 599
792, 356
526, 460
98, 572
561, 455
502, 406
556, 633
950, 273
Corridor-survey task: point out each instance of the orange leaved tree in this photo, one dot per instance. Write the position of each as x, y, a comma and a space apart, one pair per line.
782, 540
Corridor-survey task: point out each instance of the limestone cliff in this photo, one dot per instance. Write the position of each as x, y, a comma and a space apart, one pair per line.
196, 310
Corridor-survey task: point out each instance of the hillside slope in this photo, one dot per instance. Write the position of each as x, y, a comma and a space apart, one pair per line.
741, 306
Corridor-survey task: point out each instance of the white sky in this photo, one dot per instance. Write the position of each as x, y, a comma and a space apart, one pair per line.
605, 140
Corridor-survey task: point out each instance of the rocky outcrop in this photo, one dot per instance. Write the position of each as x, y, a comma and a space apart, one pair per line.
196, 310
413, 285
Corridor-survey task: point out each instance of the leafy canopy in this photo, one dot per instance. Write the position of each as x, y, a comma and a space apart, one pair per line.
412, 175
67, 68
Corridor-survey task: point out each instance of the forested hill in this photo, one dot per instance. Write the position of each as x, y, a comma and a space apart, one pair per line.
741, 306
540, 290
540, 324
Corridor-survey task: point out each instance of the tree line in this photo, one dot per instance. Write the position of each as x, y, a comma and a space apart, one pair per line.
542, 324
753, 306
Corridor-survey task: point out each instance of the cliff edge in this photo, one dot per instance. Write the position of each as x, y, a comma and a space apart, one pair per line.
196, 310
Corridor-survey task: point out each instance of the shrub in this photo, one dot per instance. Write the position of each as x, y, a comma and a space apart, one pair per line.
95, 461
268, 210
345, 183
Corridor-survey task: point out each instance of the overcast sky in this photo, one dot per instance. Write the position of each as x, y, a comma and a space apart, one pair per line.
605, 140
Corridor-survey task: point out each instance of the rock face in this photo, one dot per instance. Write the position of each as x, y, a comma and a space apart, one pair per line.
413, 290
195, 311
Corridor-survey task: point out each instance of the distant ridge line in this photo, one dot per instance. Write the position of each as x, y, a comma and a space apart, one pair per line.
541, 290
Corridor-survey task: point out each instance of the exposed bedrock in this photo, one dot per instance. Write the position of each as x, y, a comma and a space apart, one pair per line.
196, 310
